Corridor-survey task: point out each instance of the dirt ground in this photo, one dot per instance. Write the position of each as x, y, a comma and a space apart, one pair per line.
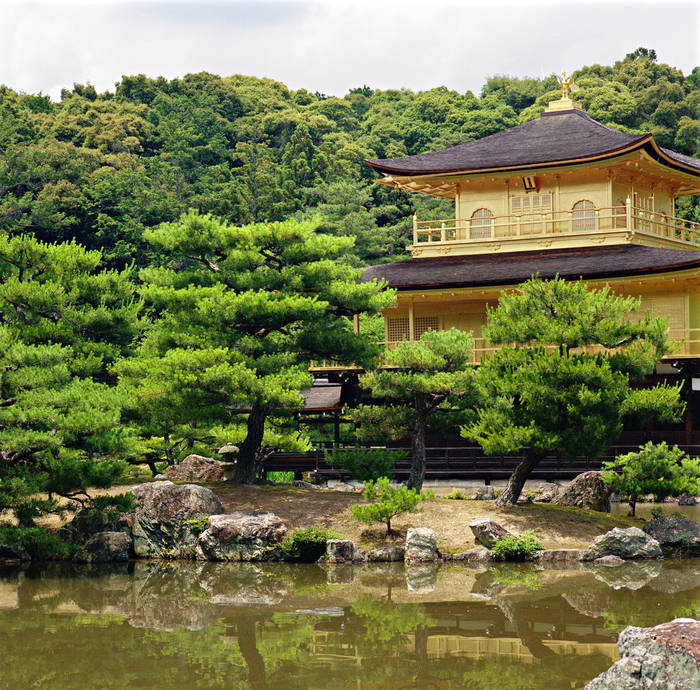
560, 527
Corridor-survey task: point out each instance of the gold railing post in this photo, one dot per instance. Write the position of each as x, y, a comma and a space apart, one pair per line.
628, 213
442, 232
411, 331
415, 228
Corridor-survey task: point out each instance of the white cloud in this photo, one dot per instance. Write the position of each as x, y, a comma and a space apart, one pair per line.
333, 45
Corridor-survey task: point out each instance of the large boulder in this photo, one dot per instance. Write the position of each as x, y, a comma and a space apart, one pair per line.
625, 543
421, 545
163, 510
666, 656
105, 547
677, 535
341, 551
586, 490
198, 468
687, 501
487, 532
244, 535
546, 492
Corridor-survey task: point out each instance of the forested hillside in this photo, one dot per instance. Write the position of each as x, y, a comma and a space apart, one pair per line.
102, 168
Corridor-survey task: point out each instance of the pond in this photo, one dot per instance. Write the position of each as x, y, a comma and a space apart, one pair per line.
170, 624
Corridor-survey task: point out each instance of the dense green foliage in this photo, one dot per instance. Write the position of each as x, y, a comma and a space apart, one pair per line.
426, 378
103, 168
387, 501
517, 548
364, 464
560, 382
654, 469
63, 320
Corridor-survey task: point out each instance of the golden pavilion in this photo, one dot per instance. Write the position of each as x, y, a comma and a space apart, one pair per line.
559, 195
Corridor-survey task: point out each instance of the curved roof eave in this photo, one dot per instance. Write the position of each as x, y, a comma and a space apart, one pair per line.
642, 142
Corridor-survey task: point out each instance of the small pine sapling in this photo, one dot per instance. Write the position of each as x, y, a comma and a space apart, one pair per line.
654, 469
387, 501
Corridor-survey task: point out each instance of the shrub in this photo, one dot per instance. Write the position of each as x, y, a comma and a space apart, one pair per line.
365, 464
653, 469
306, 545
457, 495
36, 541
388, 501
520, 548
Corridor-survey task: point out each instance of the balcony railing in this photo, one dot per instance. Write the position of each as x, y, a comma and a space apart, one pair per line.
549, 224
686, 345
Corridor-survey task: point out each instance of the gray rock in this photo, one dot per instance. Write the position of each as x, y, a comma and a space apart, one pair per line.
159, 477
625, 543
609, 561
546, 492
244, 535
386, 554
666, 656
487, 532
342, 551
197, 468
587, 490
421, 578
160, 526
305, 485
105, 547
546, 556
475, 556
687, 501
421, 545
481, 493
680, 536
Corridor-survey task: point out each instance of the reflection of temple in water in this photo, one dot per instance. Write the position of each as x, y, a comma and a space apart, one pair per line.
475, 631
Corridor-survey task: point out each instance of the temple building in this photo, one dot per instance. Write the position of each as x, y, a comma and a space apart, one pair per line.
562, 194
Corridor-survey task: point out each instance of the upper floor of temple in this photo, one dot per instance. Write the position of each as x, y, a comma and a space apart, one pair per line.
563, 180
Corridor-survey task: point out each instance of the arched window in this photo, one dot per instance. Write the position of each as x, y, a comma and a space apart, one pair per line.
481, 224
584, 216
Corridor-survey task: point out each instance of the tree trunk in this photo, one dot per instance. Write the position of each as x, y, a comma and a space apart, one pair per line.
250, 448
415, 478
510, 495
633, 505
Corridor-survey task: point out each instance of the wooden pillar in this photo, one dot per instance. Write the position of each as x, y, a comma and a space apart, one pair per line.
356, 324
411, 330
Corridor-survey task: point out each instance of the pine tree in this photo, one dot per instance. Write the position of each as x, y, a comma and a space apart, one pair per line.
273, 298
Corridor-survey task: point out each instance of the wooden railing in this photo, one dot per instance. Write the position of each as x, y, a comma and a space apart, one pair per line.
558, 223
686, 344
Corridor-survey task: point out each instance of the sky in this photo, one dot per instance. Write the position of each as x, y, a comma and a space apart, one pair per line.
332, 45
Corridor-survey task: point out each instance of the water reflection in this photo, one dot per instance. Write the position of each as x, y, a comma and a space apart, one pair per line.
179, 624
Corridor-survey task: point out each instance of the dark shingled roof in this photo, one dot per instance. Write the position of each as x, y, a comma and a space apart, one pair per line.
515, 267
556, 136
322, 396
